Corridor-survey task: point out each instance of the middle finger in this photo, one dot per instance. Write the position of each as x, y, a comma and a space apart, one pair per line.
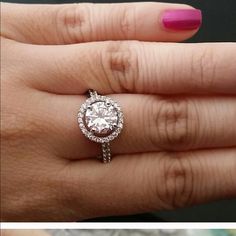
134, 67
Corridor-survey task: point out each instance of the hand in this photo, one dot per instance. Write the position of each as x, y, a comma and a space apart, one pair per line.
178, 145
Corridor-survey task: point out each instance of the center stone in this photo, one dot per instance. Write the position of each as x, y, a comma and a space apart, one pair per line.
101, 118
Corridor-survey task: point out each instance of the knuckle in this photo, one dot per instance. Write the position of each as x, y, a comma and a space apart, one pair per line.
15, 127
204, 67
12, 127
169, 125
178, 178
10, 208
66, 191
14, 206
19, 204
63, 184
72, 22
127, 22
120, 66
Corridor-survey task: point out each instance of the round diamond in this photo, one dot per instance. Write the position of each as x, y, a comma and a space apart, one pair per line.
101, 118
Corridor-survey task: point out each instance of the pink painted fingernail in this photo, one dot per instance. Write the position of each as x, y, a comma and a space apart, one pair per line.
185, 19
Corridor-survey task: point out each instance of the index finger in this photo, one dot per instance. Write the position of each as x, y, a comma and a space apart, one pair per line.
75, 23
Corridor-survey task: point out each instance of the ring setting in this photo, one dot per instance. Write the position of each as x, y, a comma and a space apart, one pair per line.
101, 120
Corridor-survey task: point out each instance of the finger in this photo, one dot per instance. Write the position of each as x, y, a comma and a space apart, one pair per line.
75, 23
134, 67
24, 232
151, 123
150, 182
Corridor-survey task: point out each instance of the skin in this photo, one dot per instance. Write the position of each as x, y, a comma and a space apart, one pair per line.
23, 232
178, 146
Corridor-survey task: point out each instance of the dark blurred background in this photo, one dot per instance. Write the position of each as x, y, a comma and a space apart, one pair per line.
219, 24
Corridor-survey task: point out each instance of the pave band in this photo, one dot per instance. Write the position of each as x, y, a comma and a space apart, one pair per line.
106, 152
100, 120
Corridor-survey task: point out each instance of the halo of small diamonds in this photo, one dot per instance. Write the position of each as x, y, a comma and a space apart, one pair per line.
91, 135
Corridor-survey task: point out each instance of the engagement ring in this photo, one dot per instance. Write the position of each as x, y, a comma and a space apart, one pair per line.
100, 120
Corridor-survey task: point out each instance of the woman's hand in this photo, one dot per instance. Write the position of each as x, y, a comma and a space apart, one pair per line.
178, 145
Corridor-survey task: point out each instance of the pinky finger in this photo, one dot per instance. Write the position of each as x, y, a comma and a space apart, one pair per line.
154, 181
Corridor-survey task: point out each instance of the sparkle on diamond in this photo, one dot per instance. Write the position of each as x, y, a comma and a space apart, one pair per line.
101, 118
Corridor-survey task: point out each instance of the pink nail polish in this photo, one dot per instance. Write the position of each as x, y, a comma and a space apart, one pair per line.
187, 19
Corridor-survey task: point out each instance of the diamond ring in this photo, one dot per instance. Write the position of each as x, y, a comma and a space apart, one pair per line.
100, 120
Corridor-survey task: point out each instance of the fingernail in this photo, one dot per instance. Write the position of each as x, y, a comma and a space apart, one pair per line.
187, 19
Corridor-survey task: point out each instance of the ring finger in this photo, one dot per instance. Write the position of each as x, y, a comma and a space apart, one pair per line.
152, 123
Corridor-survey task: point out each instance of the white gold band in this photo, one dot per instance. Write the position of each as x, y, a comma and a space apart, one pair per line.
106, 151
100, 120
